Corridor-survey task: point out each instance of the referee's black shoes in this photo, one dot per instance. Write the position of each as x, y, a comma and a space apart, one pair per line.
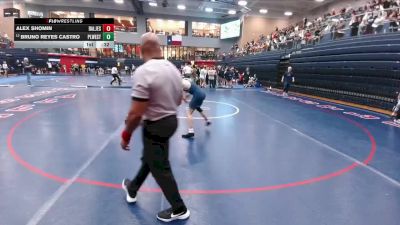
169, 215
129, 197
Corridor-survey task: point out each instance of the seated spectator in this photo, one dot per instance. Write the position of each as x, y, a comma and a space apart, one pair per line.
379, 22
367, 19
354, 25
394, 21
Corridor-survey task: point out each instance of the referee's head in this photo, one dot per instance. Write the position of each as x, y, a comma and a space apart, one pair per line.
150, 46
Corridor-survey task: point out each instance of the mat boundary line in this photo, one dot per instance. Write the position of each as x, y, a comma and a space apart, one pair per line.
44, 209
344, 155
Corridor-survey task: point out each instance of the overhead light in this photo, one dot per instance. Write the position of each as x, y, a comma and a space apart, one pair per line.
319, 0
242, 3
212, 0
263, 11
181, 7
209, 9
153, 4
288, 13
232, 12
119, 1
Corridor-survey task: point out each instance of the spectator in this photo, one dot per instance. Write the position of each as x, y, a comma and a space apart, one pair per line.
379, 22
394, 21
212, 77
28, 69
287, 80
202, 76
187, 71
367, 19
49, 67
396, 110
5, 68
19, 67
354, 26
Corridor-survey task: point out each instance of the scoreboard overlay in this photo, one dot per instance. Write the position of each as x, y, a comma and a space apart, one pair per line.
64, 33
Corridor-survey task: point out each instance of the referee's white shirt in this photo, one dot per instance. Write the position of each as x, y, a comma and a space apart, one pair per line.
159, 82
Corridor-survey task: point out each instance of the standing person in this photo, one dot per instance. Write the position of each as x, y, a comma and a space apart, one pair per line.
19, 67
229, 77
27, 70
75, 68
196, 74
212, 76
207, 80
396, 110
126, 70
49, 67
156, 96
287, 80
5, 68
115, 75
187, 71
220, 76
198, 97
203, 74
247, 75
236, 76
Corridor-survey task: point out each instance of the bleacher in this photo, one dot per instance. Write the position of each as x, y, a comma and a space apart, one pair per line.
265, 65
364, 70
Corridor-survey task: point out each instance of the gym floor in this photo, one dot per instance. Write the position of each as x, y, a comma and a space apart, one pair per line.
266, 159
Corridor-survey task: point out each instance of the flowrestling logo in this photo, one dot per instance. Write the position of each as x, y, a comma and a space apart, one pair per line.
334, 108
10, 112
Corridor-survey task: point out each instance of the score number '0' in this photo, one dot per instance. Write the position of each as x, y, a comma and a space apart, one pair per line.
108, 27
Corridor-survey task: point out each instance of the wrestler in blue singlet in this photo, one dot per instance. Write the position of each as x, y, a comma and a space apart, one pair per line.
198, 97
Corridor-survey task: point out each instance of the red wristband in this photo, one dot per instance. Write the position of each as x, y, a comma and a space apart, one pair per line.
126, 136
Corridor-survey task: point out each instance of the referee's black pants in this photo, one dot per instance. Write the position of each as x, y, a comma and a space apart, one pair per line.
156, 135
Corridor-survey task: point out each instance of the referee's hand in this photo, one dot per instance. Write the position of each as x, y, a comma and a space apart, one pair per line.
125, 145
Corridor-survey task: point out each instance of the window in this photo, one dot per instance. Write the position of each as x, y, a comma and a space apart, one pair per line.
122, 23
64, 14
175, 52
166, 27
205, 53
210, 30
121, 50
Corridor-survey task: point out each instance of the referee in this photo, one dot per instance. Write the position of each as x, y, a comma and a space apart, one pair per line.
157, 93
